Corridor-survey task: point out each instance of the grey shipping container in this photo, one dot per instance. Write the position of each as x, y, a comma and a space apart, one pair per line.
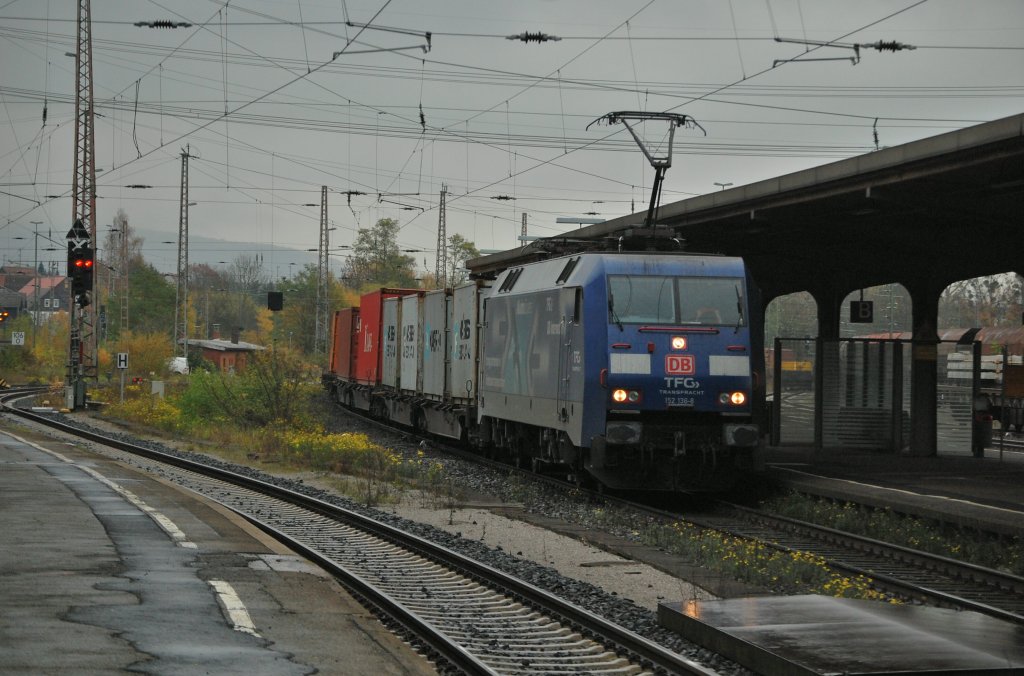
390, 329
462, 344
436, 317
410, 343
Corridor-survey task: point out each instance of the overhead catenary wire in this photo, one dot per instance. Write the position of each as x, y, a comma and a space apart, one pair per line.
258, 98
510, 147
495, 36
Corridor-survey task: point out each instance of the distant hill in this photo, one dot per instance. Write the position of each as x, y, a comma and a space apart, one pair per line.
161, 250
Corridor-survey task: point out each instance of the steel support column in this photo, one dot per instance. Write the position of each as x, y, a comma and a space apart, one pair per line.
924, 379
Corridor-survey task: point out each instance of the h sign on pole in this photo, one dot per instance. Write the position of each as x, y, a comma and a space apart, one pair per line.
122, 360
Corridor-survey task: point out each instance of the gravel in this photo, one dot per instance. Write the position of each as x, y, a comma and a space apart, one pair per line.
475, 479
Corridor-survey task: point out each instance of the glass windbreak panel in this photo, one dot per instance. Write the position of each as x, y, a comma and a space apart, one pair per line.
650, 299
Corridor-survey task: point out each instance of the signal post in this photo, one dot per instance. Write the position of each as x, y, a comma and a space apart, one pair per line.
80, 269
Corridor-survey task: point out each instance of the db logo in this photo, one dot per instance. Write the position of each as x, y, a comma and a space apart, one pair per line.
679, 364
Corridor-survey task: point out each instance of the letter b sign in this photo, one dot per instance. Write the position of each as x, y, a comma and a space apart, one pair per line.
862, 311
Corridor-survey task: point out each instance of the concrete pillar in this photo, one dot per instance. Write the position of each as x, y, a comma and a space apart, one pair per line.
924, 294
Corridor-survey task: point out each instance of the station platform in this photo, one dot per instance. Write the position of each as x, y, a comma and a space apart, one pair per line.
107, 570
819, 636
984, 493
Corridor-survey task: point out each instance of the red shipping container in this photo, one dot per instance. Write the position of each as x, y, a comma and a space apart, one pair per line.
343, 342
368, 338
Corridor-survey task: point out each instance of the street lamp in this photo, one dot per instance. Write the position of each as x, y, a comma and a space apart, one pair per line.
723, 185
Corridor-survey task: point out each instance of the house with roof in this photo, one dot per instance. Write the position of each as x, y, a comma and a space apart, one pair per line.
10, 302
47, 296
229, 356
13, 277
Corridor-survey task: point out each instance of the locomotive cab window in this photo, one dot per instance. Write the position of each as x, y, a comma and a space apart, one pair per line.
652, 299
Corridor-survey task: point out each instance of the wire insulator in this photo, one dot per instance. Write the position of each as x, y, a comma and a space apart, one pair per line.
163, 23
527, 36
888, 46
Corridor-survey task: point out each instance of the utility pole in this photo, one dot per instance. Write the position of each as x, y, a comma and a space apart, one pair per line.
123, 278
320, 335
35, 285
82, 364
181, 299
441, 266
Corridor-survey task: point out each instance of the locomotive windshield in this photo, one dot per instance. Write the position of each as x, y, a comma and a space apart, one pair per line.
649, 299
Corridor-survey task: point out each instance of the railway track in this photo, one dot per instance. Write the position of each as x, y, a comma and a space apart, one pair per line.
473, 617
906, 573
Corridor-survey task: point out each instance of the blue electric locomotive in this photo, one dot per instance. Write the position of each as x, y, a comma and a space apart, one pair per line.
634, 368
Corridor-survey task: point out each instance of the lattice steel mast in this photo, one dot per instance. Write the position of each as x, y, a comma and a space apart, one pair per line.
320, 336
123, 278
441, 266
82, 349
181, 299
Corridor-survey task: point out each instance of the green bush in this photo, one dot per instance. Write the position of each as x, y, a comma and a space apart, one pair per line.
271, 390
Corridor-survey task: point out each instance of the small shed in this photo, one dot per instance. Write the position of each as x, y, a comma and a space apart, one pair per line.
230, 356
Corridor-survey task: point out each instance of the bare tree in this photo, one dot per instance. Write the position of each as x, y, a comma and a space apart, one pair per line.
247, 273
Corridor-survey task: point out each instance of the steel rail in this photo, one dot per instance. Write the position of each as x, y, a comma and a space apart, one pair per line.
644, 650
998, 583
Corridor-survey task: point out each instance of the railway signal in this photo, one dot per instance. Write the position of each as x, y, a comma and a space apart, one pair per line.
80, 263
80, 268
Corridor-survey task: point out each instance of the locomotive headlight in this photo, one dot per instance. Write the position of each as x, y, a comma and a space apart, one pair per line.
622, 396
733, 398
678, 342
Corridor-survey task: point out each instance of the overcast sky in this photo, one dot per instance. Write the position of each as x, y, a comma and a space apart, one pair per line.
500, 118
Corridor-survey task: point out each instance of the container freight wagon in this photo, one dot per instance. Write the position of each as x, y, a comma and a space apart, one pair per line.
354, 386
413, 345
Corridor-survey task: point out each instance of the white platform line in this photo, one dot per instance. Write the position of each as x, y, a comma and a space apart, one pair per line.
168, 526
233, 606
